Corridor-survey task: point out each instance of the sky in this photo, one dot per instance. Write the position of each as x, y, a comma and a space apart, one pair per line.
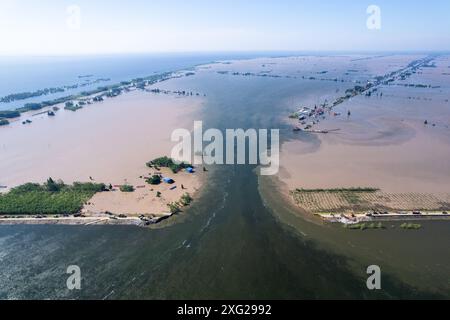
61, 27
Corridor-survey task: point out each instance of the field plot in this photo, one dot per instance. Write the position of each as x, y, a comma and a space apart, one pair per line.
360, 200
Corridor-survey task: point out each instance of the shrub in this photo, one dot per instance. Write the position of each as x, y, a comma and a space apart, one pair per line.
154, 180
126, 188
89, 187
174, 207
53, 186
186, 199
166, 162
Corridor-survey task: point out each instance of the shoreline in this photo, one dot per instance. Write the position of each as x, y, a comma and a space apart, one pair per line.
346, 217
100, 219
27, 220
73, 103
113, 205
104, 154
108, 143
327, 149
357, 93
111, 91
391, 216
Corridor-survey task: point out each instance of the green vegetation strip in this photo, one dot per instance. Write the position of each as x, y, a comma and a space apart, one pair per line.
373, 225
49, 198
357, 189
410, 226
364, 226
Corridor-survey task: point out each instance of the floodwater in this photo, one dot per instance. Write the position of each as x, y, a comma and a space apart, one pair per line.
110, 141
241, 239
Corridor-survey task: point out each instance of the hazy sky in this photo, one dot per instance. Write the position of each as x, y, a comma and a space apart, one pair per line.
107, 26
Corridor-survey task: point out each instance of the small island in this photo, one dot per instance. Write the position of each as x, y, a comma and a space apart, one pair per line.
165, 191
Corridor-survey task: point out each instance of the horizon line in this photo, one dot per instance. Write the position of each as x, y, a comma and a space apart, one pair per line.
350, 51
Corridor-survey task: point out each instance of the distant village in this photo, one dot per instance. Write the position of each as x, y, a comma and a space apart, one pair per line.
76, 102
310, 116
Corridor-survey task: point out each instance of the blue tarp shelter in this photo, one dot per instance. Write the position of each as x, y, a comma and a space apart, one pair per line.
168, 180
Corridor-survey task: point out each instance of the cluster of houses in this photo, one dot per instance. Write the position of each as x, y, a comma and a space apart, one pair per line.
314, 114
308, 117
